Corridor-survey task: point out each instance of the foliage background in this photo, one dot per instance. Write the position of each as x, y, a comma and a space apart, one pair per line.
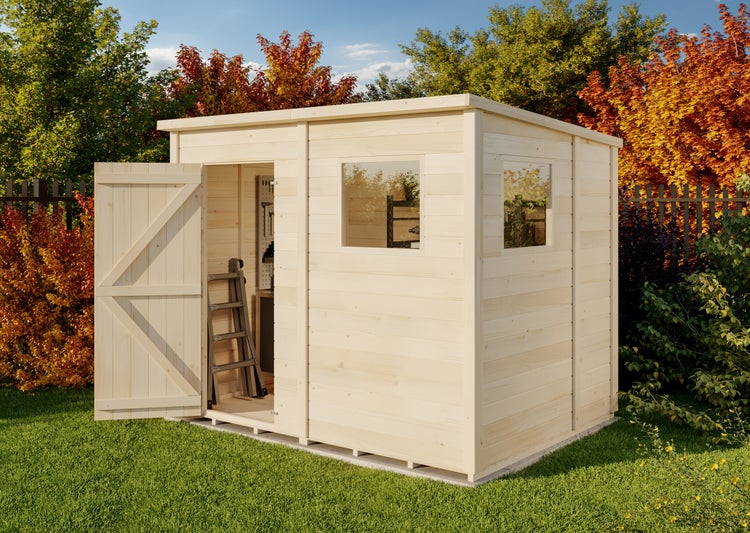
47, 299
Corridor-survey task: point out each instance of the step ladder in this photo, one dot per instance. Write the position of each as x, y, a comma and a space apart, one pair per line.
252, 379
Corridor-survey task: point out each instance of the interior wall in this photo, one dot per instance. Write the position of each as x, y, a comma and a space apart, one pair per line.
232, 231
223, 242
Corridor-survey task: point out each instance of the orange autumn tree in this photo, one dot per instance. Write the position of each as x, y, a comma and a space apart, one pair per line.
292, 78
684, 115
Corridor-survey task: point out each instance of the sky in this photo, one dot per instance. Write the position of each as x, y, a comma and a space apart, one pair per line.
360, 38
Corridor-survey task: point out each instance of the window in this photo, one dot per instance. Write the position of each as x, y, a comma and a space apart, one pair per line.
381, 204
527, 195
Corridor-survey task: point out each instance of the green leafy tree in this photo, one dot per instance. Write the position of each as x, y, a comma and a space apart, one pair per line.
72, 90
386, 88
537, 58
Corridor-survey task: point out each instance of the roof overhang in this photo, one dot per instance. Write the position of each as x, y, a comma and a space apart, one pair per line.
387, 108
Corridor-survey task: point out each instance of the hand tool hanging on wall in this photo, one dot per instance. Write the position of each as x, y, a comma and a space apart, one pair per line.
264, 205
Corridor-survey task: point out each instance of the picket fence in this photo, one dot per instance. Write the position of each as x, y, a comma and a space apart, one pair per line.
693, 211
31, 195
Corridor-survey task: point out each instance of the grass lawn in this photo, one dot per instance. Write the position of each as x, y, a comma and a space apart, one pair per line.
61, 471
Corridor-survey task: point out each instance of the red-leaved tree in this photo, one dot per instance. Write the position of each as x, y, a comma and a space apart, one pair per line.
684, 115
218, 86
292, 78
46, 299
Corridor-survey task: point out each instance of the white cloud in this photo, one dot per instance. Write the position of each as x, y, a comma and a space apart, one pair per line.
392, 69
361, 51
161, 58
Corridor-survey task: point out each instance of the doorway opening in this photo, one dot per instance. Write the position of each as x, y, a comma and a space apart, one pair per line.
240, 222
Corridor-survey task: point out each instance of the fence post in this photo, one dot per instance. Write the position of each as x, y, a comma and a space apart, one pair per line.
40, 194
68, 204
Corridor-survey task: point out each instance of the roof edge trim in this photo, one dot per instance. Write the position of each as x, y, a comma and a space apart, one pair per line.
429, 104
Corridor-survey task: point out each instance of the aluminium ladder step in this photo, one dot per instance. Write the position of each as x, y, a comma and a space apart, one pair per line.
229, 336
231, 366
225, 275
226, 305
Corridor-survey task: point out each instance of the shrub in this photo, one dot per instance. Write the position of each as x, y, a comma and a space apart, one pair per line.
696, 492
648, 252
46, 299
694, 340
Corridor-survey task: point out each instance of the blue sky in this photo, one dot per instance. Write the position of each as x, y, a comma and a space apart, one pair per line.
358, 37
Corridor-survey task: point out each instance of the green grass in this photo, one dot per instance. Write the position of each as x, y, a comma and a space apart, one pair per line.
61, 471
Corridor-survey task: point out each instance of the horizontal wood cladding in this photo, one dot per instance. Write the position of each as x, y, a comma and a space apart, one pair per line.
526, 321
406, 306
237, 145
595, 343
391, 137
386, 326
386, 264
419, 445
401, 126
523, 435
236, 136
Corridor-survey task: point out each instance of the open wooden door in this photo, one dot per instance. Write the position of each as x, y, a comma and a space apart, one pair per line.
149, 316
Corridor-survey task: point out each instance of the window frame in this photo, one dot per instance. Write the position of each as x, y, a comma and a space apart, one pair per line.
549, 210
419, 159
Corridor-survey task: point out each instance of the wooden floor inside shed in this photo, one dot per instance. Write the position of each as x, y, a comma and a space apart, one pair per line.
254, 413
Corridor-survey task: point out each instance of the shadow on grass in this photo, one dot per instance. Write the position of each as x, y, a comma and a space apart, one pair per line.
620, 442
617, 443
15, 404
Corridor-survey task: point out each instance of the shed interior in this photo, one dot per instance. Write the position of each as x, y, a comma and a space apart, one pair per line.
240, 218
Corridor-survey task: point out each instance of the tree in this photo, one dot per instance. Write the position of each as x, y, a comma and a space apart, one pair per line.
217, 86
71, 89
535, 58
292, 78
684, 115
385, 88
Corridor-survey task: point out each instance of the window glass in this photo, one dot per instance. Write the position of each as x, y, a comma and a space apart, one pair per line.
527, 194
381, 204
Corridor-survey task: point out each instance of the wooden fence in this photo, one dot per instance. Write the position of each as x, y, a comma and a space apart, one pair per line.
690, 211
30, 196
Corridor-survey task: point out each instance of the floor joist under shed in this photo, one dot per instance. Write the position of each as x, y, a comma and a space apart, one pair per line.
376, 461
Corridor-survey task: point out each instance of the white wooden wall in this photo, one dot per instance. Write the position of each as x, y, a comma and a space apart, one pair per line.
526, 306
595, 282
387, 328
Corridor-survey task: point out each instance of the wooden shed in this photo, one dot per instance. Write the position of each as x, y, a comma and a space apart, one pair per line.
431, 280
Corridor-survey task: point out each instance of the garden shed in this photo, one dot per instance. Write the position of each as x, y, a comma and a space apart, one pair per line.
431, 280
